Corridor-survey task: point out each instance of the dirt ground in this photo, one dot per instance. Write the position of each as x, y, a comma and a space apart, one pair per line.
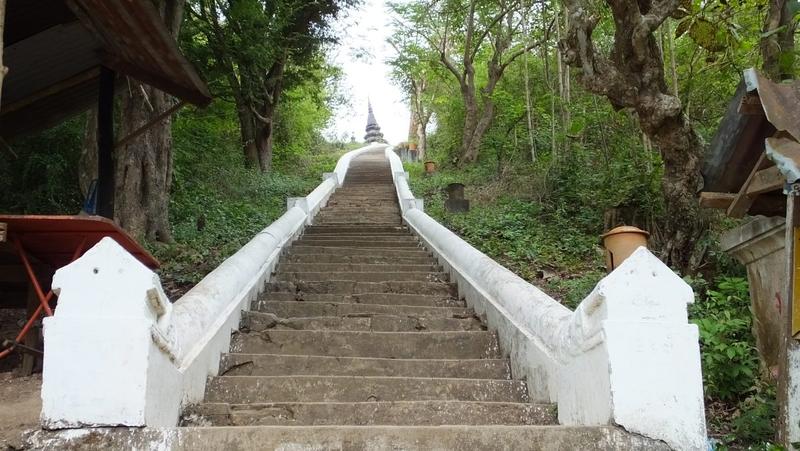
21, 404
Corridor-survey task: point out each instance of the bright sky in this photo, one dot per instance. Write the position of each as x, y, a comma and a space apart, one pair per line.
361, 55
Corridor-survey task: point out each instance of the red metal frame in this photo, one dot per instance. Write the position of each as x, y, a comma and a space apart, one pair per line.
52, 239
44, 299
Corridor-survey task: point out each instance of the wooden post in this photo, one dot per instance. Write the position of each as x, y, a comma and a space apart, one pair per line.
789, 366
105, 144
3, 69
3, 232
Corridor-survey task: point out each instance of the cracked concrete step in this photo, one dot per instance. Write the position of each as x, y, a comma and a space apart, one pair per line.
377, 276
421, 259
357, 243
259, 321
386, 299
398, 345
355, 438
310, 365
355, 287
294, 309
399, 413
373, 252
264, 389
350, 267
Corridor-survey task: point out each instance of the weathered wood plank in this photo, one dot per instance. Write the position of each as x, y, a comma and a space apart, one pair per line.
743, 201
716, 200
766, 180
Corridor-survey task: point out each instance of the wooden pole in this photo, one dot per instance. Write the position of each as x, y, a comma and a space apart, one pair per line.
789, 365
3, 69
150, 124
105, 144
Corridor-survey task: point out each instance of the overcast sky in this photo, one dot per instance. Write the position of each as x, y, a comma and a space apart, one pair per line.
361, 55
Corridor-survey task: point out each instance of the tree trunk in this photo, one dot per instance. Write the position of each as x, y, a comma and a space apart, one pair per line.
422, 139
143, 167
777, 45
3, 69
265, 116
631, 76
475, 134
247, 130
87, 165
264, 144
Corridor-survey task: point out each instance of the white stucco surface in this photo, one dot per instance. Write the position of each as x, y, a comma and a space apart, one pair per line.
627, 355
117, 352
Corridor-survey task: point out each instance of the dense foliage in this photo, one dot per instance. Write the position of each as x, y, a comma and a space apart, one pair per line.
559, 165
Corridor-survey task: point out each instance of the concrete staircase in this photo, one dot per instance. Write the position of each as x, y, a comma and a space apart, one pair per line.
361, 342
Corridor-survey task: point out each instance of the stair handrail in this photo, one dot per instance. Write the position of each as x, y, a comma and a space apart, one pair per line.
119, 353
626, 356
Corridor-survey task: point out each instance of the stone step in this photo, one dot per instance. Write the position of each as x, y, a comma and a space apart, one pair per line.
361, 220
390, 224
362, 276
268, 389
421, 259
361, 208
369, 230
363, 203
355, 287
357, 243
396, 345
355, 438
295, 309
398, 413
386, 299
367, 299
260, 321
350, 267
398, 238
373, 252
344, 219
310, 365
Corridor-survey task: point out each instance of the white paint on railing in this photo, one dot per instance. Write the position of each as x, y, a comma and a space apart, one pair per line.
626, 356
117, 353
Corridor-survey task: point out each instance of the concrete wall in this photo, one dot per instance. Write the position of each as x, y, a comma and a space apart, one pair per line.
626, 356
118, 353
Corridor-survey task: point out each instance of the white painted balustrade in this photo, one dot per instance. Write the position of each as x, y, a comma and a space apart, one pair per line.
118, 353
626, 356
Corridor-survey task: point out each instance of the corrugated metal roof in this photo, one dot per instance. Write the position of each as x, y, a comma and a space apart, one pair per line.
54, 57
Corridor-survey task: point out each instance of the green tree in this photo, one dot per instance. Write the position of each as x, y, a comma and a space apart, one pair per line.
254, 50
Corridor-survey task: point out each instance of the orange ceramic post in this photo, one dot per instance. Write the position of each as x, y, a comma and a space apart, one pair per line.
620, 242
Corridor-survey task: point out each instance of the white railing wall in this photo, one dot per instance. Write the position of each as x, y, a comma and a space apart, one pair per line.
626, 356
118, 353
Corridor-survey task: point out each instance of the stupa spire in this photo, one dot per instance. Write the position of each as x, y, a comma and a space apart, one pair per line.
373, 129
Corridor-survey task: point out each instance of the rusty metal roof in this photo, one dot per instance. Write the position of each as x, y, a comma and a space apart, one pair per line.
54, 49
755, 149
